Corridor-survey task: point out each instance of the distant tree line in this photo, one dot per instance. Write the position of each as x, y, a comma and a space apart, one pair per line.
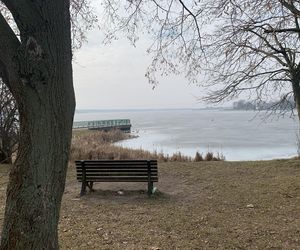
286, 103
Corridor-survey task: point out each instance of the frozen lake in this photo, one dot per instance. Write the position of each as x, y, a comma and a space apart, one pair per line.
238, 135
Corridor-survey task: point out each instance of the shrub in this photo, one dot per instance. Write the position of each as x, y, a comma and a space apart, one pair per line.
209, 156
198, 157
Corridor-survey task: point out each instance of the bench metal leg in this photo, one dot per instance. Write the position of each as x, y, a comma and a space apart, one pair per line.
90, 185
84, 183
150, 188
83, 188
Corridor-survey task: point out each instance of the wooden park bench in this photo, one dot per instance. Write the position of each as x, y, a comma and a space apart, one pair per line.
91, 171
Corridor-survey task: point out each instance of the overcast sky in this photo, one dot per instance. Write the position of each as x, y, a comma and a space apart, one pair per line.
113, 77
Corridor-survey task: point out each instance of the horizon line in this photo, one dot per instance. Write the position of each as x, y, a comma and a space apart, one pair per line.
142, 109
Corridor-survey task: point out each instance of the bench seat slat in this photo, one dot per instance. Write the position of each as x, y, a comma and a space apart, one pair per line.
118, 179
117, 174
99, 172
117, 166
117, 170
114, 161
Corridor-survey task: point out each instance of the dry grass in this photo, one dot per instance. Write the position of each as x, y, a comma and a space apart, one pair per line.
87, 144
200, 205
204, 205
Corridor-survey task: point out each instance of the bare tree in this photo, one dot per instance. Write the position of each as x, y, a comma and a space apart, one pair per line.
228, 46
83, 18
253, 56
173, 25
9, 124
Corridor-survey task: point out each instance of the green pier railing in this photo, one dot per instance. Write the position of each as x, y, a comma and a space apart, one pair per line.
102, 124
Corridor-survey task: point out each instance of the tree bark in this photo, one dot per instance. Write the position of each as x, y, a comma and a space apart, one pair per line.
296, 92
41, 81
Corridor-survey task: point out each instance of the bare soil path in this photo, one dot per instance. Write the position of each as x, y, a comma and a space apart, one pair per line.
205, 205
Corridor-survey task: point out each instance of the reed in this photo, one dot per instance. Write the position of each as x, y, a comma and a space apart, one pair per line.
88, 145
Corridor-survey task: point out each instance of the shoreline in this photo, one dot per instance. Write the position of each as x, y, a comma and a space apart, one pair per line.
123, 139
93, 144
169, 150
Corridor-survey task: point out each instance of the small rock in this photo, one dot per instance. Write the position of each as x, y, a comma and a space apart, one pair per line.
250, 206
120, 192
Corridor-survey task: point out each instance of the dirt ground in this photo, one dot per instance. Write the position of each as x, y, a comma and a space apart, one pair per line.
205, 205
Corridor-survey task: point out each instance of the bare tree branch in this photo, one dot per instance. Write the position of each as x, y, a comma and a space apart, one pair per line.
9, 42
283, 30
290, 6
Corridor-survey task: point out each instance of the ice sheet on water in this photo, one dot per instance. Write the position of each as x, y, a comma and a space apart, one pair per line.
235, 134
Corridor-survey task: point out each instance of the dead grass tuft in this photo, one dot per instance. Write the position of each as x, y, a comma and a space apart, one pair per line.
87, 144
198, 157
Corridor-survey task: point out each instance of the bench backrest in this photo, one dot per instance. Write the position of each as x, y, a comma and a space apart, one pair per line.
117, 170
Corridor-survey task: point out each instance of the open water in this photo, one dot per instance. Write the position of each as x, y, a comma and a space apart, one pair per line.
238, 135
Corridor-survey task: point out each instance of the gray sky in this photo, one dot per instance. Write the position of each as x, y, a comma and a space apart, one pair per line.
113, 77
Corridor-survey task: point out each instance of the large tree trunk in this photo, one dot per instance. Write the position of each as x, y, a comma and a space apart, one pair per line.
46, 105
37, 178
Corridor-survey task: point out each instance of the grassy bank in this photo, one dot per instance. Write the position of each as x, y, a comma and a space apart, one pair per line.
200, 205
87, 144
205, 205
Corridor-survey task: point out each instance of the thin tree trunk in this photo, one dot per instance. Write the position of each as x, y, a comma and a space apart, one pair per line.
46, 103
6, 147
296, 92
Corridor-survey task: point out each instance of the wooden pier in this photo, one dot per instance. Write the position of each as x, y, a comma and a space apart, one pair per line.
104, 125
